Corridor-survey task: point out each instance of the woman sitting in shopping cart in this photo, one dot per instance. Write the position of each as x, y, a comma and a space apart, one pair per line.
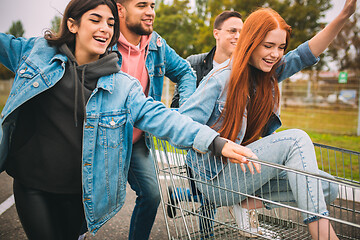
240, 100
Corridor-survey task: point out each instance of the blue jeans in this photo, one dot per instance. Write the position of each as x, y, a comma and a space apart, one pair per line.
292, 148
142, 179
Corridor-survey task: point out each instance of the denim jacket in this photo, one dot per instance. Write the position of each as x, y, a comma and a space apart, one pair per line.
207, 103
116, 105
162, 61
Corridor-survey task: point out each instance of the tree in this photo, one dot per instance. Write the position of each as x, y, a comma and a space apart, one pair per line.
16, 29
345, 49
55, 24
190, 30
5, 74
179, 26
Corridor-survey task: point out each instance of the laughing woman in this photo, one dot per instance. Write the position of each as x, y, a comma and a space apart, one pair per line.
240, 100
66, 128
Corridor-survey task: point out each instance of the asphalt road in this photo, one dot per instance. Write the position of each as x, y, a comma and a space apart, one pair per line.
116, 228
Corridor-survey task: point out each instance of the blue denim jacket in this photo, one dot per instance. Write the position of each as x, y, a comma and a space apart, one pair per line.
162, 61
116, 106
207, 103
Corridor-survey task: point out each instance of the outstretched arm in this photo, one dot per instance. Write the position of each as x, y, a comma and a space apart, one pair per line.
322, 40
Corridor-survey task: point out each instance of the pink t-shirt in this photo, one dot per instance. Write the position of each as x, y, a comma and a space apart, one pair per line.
133, 63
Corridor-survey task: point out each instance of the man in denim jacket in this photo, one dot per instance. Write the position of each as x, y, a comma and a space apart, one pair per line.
147, 57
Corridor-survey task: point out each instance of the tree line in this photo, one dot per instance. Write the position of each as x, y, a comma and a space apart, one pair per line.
187, 27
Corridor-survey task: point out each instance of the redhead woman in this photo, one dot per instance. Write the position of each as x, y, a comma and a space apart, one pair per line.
67, 126
240, 100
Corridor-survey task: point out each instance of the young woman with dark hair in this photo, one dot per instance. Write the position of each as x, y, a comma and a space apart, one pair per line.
67, 126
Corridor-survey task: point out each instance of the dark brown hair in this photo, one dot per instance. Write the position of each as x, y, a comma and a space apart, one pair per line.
222, 17
75, 10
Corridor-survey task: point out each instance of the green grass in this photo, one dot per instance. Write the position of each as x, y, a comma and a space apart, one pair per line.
334, 121
335, 128
339, 163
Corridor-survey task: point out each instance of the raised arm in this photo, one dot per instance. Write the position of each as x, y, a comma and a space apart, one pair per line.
12, 49
322, 40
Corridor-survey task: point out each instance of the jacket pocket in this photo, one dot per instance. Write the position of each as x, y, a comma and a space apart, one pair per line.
110, 130
25, 71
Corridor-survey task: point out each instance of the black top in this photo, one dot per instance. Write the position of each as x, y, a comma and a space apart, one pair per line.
46, 147
201, 64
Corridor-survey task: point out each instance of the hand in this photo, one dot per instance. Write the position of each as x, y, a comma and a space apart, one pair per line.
349, 8
237, 154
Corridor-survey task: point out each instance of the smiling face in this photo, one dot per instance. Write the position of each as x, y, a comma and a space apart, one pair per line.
138, 16
93, 33
269, 51
227, 36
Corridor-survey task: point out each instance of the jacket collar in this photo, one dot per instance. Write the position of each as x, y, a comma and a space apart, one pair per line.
210, 57
107, 82
155, 42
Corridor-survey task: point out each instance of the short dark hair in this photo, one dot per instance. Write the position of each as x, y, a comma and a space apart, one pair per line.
121, 1
75, 10
222, 17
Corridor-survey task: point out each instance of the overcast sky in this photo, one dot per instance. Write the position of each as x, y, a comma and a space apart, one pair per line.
36, 15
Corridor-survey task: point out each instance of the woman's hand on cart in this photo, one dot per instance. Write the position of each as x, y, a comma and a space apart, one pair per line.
240, 154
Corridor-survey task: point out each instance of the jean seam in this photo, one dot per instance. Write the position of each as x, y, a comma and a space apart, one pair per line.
308, 187
304, 165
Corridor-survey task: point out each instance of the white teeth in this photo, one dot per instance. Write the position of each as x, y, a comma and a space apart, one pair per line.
100, 39
269, 61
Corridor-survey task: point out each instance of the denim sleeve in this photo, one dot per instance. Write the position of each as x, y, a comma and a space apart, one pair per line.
12, 50
153, 117
179, 71
202, 103
296, 60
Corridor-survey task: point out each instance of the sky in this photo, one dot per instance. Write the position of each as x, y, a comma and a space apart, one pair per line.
36, 15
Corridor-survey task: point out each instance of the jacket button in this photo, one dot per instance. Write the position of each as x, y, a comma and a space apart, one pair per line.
22, 71
35, 84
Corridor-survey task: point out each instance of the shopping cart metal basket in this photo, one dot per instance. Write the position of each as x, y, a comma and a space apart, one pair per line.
189, 215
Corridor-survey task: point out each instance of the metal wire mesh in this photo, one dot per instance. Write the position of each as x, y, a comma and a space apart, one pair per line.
190, 215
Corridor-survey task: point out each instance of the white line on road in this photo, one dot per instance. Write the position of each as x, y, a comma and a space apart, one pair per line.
7, 204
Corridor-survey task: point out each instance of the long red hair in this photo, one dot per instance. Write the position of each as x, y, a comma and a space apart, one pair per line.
250, 88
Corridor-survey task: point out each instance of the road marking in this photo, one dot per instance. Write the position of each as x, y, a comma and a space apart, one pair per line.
7, 204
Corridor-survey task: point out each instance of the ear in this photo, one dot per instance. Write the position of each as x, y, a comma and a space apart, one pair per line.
121, 10
72, 26
216, 34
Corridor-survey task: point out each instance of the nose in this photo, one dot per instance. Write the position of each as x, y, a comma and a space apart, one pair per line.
104, 27
150, 11
237, 34
275, 53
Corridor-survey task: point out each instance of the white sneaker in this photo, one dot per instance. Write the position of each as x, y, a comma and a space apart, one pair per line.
82, 237
246, 220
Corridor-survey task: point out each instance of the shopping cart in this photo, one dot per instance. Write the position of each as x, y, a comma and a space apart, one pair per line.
188, 215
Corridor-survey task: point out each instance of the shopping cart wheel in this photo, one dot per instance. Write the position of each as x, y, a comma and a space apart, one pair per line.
172, 201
